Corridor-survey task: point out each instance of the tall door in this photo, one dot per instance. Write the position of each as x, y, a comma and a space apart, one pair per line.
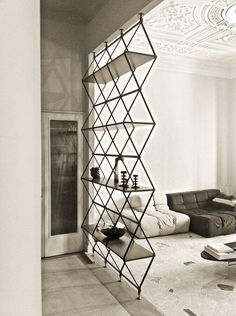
62, 196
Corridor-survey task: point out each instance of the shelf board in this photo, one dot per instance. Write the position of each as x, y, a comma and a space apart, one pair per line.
110, 184
119, 246
118, 126
118, 67
115, 155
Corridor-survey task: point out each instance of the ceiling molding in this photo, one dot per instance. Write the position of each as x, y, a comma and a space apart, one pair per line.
192, 66
195, 33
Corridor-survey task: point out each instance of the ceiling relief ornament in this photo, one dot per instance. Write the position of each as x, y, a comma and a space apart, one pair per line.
175, 48
200, 30
228, 38
218, 14
174, 16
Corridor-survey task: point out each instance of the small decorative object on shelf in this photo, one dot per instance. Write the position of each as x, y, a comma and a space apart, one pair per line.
94, 172
124, 181
113, 232
135, 185
116, 173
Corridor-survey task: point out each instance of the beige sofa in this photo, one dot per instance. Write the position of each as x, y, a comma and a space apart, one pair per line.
158, 219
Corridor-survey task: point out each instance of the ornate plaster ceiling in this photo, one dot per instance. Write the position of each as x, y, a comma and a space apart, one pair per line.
196, 34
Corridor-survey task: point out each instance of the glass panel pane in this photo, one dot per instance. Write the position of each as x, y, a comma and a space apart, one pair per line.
63, 140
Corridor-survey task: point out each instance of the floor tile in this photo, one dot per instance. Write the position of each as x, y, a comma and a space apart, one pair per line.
70, 288
63, 263
59, 279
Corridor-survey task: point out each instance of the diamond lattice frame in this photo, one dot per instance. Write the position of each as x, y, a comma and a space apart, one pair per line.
117, 253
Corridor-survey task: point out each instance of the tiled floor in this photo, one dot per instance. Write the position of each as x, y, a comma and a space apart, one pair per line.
73, 287
70, 288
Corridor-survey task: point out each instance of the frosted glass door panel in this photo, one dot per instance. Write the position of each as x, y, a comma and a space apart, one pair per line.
64, 157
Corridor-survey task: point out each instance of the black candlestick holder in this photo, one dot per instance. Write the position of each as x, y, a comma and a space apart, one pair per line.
124, 181
135, 181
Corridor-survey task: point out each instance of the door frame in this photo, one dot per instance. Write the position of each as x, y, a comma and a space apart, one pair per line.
72, 242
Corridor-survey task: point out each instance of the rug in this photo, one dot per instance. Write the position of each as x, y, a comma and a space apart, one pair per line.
180, 282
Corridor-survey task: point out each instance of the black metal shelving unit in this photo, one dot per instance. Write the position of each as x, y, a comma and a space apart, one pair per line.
114, 74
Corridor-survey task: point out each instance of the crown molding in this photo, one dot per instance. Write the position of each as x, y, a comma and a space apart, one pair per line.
191, 36
192, 66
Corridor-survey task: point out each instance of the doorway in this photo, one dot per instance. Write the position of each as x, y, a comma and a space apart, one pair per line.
62, 193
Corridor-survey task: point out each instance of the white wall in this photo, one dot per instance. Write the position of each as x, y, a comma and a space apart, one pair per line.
182, 152
20, 159
223, 98
231, 138
189, 148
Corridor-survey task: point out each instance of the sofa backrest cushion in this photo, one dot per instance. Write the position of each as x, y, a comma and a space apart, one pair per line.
160, 201
183, 201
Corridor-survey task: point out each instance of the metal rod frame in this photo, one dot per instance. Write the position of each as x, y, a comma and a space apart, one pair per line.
101, 128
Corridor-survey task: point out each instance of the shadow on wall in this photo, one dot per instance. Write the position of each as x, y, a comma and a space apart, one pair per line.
63, 62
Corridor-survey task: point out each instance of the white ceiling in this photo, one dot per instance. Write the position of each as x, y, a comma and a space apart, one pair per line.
86, 9
188, 35
192, 34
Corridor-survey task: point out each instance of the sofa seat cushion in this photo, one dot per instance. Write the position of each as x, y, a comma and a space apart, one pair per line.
156, 223
206, 225
208, 218
212, 224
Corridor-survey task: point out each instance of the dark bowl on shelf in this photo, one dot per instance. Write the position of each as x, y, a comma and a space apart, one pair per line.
113, 232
